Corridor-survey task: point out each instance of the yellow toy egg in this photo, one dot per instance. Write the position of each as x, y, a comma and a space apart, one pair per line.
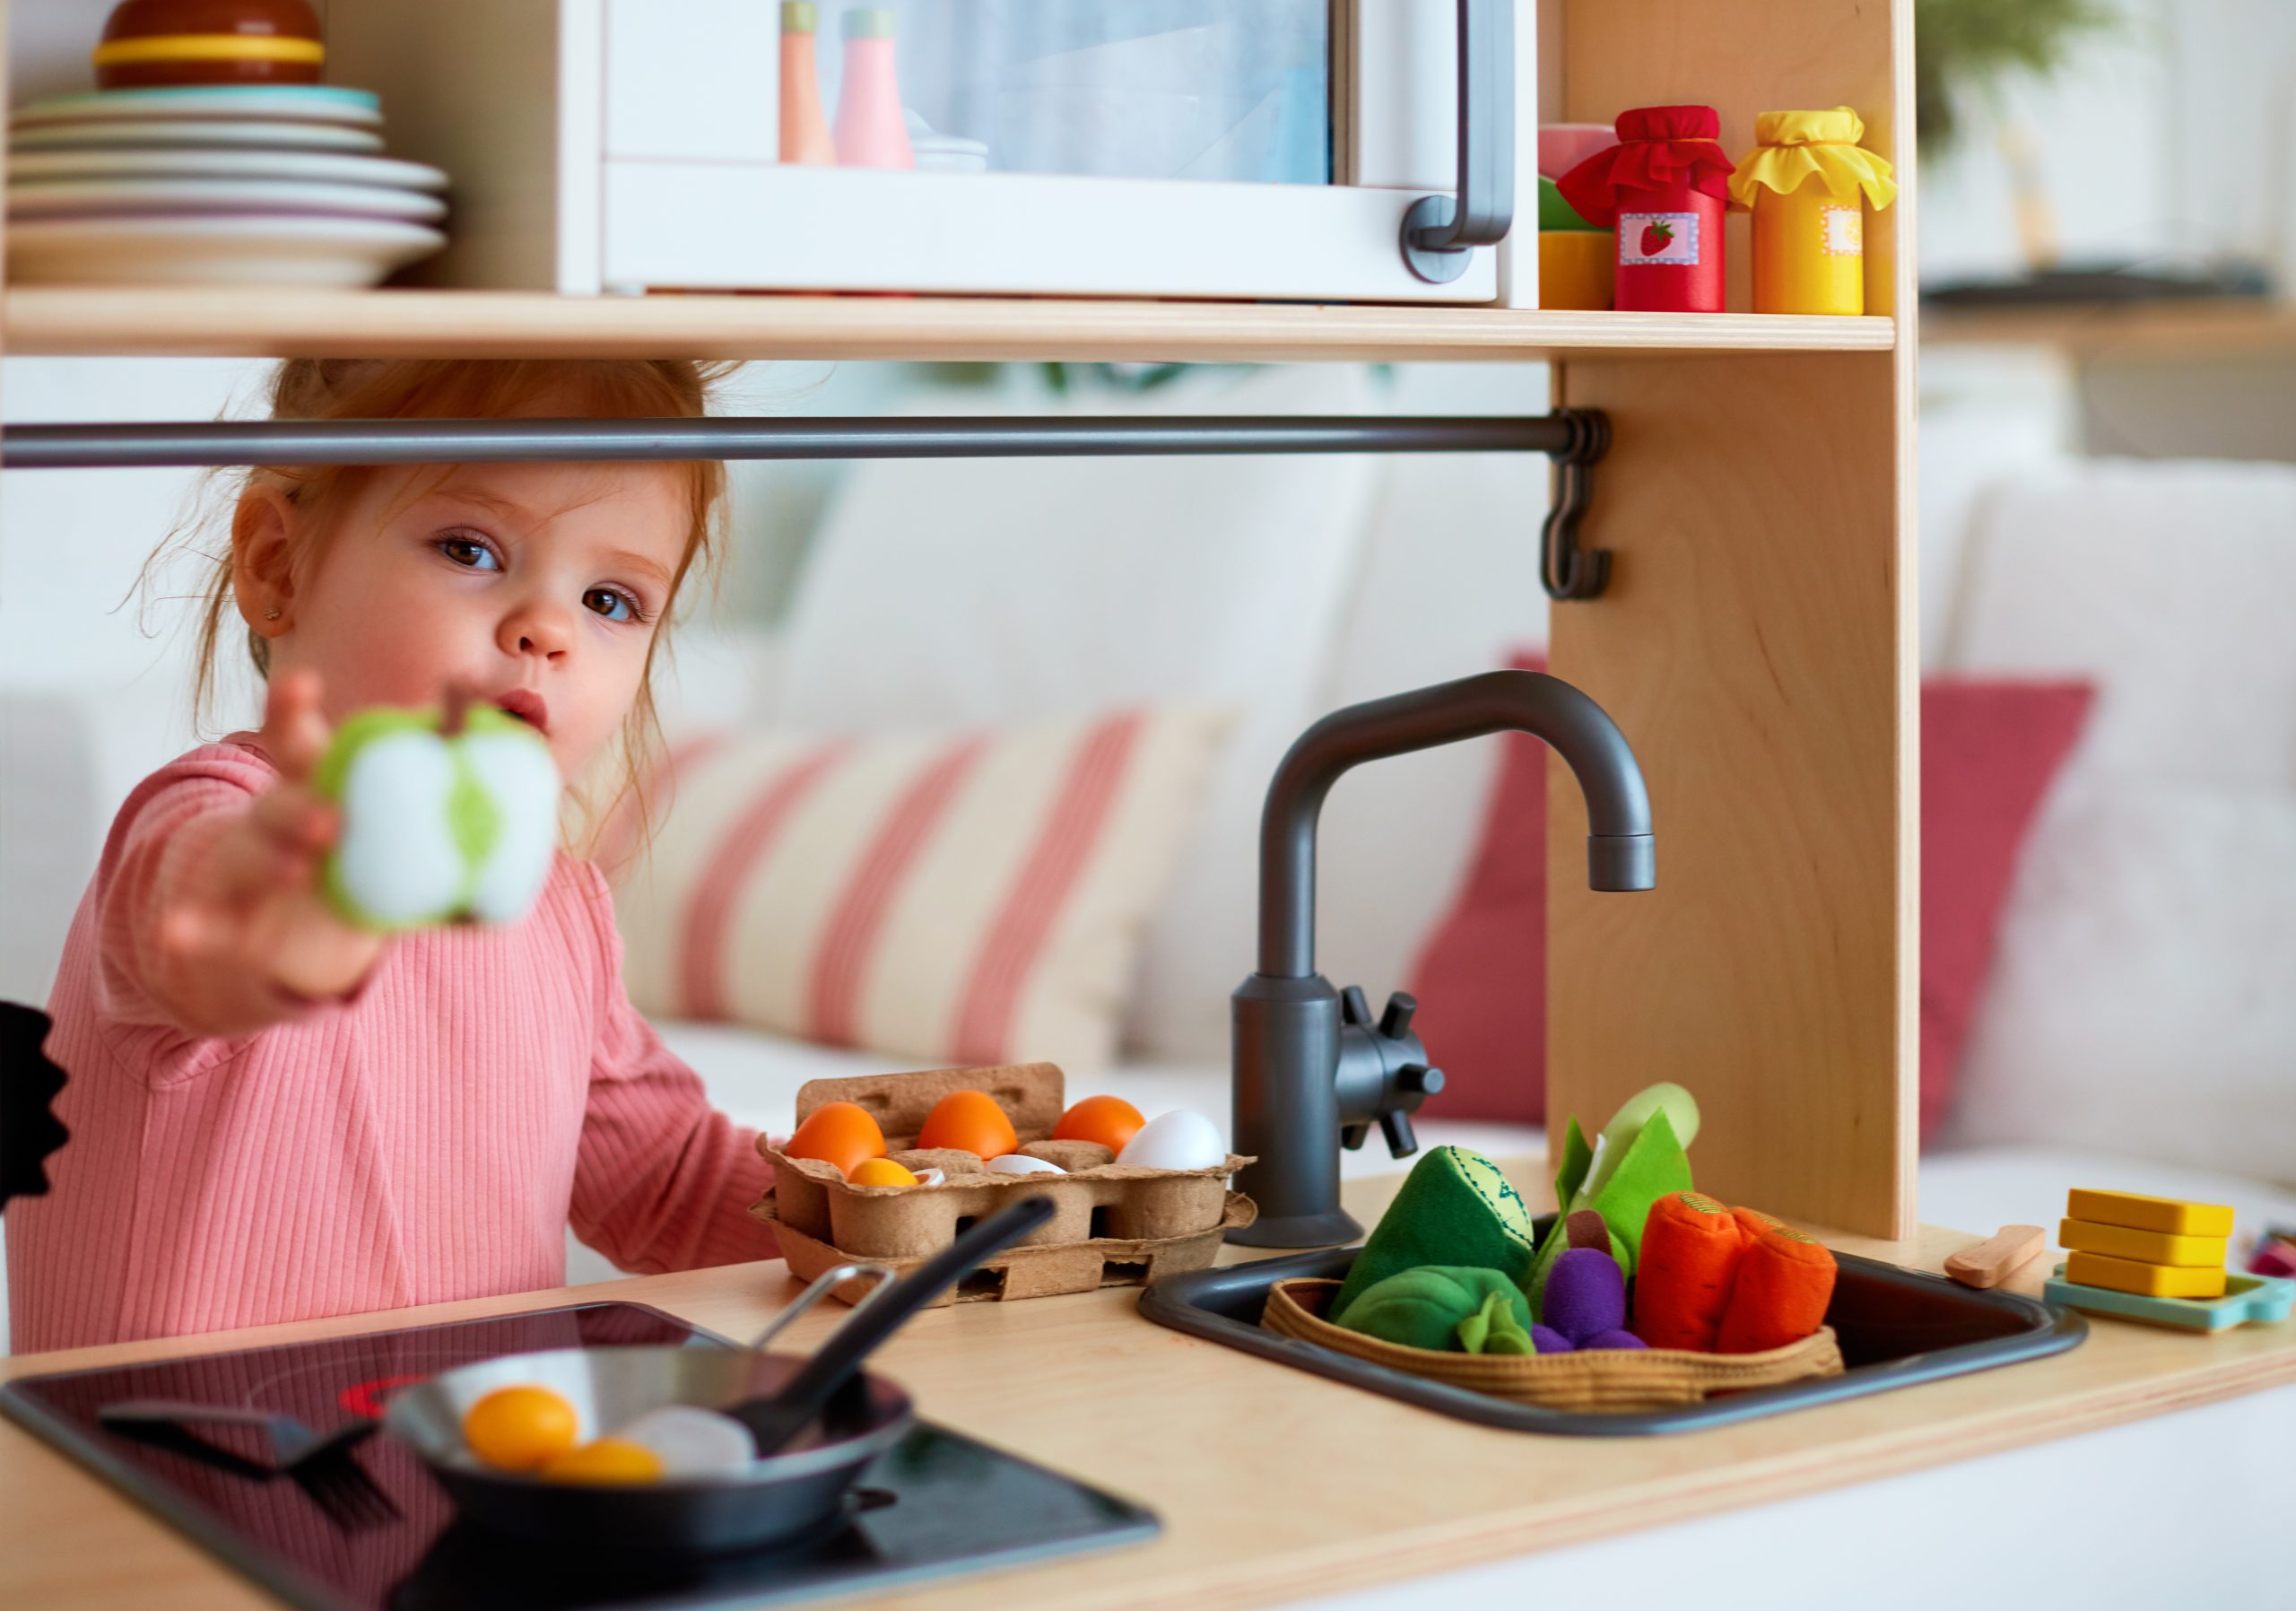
880, 1171
521, 1428
606, 1461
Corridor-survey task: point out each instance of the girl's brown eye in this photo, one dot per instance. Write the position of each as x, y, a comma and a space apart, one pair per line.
613, 599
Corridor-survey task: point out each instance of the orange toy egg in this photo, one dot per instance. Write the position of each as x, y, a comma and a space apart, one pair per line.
838, 1133
521, 1428
606, 1461
972, 1121
1109, 1120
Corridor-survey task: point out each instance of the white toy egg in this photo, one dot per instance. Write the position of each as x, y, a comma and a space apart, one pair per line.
693, 1441
1178, 1140
1021, 1164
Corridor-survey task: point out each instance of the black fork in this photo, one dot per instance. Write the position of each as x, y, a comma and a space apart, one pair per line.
322, 1464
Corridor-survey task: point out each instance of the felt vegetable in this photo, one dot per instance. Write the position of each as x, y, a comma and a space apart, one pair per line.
446, 815
1637, 1158
1454, 1208
1785, 1281
1691, 1249
1603, 1340
1423, 1308
1548, 1340
1586, 1294
1497, 1327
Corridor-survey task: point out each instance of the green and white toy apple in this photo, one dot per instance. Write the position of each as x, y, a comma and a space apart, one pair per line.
446, 816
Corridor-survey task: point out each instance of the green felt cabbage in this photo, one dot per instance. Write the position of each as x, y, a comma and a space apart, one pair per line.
1436, 1307
1454, 1209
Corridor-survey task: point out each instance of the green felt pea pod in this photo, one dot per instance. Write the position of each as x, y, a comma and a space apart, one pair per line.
1494, 1328
1429, 1306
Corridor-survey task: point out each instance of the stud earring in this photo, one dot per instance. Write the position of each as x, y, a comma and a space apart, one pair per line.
272, 614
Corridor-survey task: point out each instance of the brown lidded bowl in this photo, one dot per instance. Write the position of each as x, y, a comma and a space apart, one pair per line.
150, 43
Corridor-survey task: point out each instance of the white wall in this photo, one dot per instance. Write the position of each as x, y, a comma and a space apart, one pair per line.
2173, 137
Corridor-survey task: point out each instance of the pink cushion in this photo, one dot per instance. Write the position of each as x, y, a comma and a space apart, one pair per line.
1989, 749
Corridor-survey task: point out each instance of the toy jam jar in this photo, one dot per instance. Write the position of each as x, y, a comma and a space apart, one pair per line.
1802, 183
1663, 187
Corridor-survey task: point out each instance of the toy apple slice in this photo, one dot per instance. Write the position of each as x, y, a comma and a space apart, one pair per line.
447, 815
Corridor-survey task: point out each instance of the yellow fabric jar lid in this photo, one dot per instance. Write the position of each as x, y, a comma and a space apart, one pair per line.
1795, 145
1839, 126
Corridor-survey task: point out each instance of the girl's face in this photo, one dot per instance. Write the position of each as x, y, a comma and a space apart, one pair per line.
537, 587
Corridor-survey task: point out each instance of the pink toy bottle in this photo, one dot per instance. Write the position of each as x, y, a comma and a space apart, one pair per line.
871, 132
804, 127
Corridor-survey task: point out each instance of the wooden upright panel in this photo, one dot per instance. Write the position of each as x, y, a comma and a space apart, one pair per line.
1756, 645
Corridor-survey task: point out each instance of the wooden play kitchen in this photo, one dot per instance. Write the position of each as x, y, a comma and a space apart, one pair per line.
1752, 630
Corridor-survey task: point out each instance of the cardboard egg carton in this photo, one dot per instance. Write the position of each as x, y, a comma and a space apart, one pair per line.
1111, 1223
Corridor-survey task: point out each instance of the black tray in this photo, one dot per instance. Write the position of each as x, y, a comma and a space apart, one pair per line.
1896, 1327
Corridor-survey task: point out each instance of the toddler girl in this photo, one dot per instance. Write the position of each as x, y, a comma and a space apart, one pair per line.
276, 1116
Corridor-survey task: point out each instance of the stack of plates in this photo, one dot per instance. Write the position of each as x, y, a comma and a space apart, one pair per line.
214, 184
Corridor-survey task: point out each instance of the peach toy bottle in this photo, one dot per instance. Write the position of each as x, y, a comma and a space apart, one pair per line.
1803, 182
871, 131
804, 127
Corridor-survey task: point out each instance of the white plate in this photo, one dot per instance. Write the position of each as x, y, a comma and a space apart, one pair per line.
81, 198
312, 166
342, 252
170, 133
310, 103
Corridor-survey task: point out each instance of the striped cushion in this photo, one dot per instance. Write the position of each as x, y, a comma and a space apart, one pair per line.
960, 897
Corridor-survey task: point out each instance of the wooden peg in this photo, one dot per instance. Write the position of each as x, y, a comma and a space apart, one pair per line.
1998, 1258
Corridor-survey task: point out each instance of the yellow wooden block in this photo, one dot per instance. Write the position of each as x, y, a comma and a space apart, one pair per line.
2149, 1280
2152, 1247
2137, 1212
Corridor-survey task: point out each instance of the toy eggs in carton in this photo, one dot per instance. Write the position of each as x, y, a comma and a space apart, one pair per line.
1160, 1207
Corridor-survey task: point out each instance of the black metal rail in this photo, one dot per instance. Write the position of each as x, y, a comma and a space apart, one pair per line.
1573, 437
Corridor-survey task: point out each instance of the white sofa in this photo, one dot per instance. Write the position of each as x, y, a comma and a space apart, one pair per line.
979, 591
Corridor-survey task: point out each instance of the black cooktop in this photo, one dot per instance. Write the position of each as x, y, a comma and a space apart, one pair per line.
936, 1504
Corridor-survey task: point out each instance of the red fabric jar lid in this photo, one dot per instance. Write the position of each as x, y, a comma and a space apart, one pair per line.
1670, 123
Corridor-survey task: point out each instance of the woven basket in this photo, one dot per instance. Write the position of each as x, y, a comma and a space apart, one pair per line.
1611, 1378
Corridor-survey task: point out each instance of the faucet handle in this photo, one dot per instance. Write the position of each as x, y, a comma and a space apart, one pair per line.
1402, 1140
1395, 1021
1354, 1007
1418, 1080
1354, 1135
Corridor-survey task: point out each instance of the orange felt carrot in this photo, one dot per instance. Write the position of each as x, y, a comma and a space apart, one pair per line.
1753, 1222
1683, 1280
1785, 1282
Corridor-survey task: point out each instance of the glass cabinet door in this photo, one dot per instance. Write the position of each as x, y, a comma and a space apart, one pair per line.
1206, 148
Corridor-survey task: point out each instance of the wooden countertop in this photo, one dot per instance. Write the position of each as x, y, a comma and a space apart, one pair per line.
1273, 1484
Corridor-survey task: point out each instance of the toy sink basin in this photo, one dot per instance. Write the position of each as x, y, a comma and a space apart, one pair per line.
1897, 1328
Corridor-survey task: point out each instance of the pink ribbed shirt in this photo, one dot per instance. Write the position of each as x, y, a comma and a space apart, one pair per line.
430, 1139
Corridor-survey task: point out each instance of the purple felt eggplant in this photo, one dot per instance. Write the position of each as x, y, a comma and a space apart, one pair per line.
1546, 1339
1586, 1294
1611, 1339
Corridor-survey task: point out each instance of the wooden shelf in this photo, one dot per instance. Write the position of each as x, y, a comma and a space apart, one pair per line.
474, 324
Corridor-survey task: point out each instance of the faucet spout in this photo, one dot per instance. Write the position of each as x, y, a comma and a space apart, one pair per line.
1311, 1068
1619, 847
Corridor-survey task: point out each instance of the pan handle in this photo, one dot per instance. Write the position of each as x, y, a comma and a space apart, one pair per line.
820, 1287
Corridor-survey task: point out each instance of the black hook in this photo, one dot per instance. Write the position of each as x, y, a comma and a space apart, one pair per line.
1566, 570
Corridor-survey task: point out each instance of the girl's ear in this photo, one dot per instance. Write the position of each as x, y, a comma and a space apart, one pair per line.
263, 555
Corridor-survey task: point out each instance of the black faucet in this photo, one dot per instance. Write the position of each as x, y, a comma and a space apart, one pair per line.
1312, 1070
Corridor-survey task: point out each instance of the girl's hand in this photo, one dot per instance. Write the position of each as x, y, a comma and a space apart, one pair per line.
245, 939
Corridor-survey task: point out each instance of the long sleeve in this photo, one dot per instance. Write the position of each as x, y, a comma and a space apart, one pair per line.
662, 1181
167, 824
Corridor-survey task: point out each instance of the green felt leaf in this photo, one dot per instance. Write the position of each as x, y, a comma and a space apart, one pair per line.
1494, 1328
1430, 1307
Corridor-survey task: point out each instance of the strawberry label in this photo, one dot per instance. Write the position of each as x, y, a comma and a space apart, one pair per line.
1658, 237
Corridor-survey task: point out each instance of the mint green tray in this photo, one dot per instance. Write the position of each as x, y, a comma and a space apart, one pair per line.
2247, 1300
